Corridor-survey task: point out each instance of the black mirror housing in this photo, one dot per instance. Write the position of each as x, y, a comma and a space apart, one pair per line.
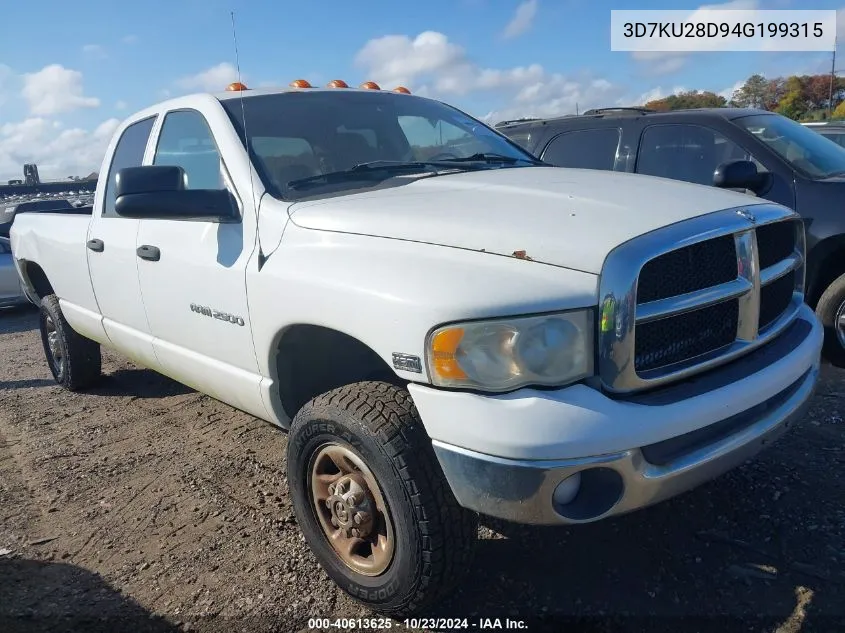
739, 174
158, 192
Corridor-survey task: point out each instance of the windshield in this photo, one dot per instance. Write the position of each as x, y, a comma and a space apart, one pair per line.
807, 151
299, 135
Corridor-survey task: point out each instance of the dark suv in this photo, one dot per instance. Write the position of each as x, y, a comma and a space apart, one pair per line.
755, 151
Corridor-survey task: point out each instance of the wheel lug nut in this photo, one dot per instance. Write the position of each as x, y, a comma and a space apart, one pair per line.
355, 532
361, 517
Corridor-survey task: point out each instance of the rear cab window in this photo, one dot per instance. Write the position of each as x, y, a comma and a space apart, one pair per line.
129, 152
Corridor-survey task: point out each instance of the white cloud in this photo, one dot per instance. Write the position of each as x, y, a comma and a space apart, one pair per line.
399, 60
214, 79
120, 105
94, 50
58, 152
129, 39
728, 93
433, 66
522, 19
55, 89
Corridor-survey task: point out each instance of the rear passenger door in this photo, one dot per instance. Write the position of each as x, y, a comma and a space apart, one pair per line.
585, 149
111, 255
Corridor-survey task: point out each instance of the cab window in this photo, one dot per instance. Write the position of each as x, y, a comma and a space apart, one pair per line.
185, 141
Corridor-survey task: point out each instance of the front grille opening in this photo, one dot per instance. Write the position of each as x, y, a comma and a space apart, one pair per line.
685, 336
688, 269
775, 299
775, 242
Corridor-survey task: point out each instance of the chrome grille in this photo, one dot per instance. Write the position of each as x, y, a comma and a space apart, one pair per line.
696, 294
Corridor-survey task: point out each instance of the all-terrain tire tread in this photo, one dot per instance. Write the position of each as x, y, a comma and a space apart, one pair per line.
388, 413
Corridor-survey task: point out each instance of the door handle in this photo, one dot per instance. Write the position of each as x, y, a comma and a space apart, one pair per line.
150, 253
96, 245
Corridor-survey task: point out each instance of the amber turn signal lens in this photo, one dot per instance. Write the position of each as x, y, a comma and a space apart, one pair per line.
444, 347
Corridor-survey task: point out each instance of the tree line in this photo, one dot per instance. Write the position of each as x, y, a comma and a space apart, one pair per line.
799, 97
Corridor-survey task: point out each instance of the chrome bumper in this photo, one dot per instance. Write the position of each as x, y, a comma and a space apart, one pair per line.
521, 490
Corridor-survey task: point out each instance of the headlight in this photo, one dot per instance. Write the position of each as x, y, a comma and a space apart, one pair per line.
505, 354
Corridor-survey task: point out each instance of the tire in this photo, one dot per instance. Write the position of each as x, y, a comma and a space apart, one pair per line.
433, 537
74, 360
831, 311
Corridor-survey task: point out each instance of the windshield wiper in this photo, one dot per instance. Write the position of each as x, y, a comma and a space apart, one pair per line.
487, 157
386, 167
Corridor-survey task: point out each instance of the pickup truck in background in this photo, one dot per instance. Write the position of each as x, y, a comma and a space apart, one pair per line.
445, 326
757, 152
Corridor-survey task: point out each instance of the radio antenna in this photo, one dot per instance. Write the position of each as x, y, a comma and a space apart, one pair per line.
255, 206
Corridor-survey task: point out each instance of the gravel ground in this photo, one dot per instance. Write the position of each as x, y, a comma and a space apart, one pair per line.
142, 505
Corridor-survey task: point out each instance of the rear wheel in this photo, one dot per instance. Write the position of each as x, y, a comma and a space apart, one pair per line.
831, 312
371, 499
74, 360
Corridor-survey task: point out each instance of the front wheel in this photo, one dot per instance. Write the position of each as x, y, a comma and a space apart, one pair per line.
831, 312
371, 499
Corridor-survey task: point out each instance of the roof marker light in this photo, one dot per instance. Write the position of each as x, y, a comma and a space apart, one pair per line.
236, 86
402, 89
337, 83
299, 83
370, 85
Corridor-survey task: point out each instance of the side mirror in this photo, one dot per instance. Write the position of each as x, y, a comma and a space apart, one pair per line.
740, 174
158, 192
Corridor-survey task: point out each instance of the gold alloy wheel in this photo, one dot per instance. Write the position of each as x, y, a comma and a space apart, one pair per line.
351, 510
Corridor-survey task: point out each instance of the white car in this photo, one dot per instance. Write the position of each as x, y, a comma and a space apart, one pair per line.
445, 325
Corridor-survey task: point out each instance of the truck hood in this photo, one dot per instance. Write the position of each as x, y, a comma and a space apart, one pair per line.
565, 217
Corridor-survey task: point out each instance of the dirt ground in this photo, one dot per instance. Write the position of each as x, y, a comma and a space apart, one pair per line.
142, 505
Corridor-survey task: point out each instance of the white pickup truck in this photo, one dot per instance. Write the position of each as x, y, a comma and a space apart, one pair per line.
446, 326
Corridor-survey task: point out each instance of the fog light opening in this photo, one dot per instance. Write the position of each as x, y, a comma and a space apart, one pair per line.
588, 494
567, 490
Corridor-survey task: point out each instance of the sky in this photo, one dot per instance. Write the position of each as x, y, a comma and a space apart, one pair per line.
67, 78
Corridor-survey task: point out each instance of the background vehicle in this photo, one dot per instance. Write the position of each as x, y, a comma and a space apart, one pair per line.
833, 130
754, 151
35, 206
417, 300
11, 288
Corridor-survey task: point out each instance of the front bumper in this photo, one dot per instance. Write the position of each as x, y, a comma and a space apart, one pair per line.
780, 379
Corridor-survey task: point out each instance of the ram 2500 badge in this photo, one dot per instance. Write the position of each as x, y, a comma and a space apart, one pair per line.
446, 326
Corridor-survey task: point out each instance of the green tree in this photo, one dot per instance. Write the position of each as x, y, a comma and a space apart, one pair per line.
794, 103
687, 100
752, 94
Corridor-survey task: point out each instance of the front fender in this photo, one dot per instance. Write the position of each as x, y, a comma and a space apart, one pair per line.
390, 293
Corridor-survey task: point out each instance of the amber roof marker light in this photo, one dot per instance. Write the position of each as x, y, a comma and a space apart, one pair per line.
369, 85
402, 89
299, 83
337, 83
236, 86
